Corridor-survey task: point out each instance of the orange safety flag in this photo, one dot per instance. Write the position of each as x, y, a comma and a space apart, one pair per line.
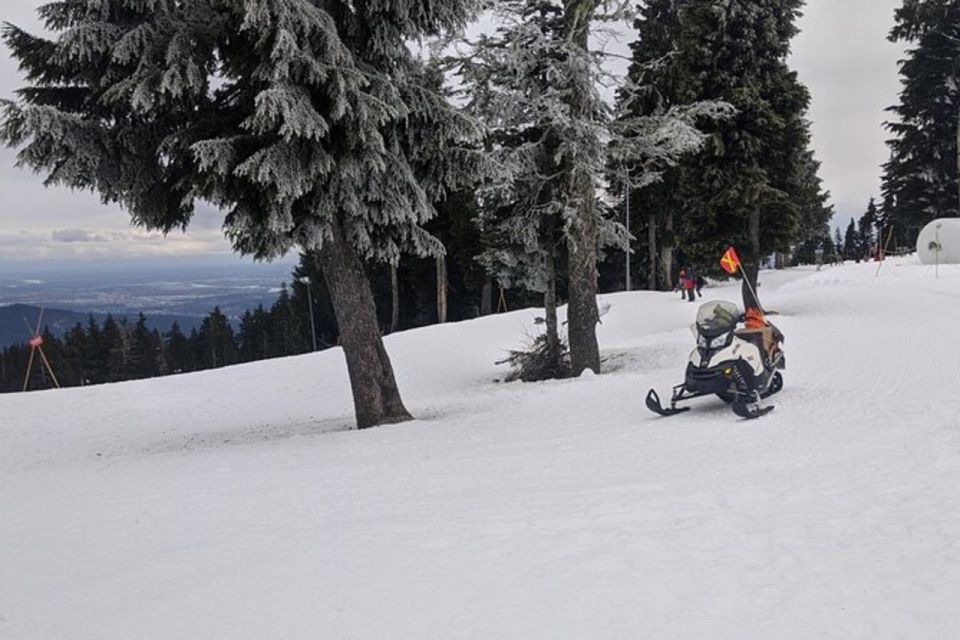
36, 342
730, 261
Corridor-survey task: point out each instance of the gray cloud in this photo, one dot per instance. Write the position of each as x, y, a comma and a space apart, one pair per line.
78, 235
99, 244
844, 58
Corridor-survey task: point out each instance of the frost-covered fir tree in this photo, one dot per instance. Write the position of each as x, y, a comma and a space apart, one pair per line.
535, 83
921, 181
304, 120
521, 213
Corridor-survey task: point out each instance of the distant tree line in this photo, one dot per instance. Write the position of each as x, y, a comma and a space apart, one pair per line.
118, 350
865, 238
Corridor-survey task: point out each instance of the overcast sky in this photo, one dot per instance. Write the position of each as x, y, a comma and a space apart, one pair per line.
842, 55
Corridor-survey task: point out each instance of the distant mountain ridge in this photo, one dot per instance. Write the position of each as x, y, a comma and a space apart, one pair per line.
13, 330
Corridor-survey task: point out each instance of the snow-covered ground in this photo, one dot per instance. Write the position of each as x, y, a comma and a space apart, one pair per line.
239, 503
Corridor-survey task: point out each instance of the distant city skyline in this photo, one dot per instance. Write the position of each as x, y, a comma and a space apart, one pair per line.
842, 55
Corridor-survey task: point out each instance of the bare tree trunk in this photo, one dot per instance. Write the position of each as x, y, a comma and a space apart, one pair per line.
652, 242
486, 297
751, 266
582, 314
666, 256
376, 398
550, 311
441, 289
394, 299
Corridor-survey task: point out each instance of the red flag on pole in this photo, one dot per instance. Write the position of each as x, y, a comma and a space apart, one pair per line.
730, 261
36, 342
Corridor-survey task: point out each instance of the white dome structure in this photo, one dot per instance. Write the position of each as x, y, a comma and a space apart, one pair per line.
939, 242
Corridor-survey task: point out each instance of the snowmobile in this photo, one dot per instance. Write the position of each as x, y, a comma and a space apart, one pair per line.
740, 366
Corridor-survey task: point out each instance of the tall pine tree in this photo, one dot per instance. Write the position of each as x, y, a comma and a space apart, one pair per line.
305, 120
866, 229
748, 186
660, 86
851, 242
920, 180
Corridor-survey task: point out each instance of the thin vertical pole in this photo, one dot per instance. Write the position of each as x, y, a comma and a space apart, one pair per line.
627, 252
313, 327
883, 251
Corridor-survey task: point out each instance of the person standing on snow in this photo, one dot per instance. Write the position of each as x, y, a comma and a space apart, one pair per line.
690, 283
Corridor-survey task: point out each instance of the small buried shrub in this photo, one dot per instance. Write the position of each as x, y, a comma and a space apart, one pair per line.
538, 362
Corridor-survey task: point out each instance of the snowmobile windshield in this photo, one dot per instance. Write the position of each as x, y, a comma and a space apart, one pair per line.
717, 318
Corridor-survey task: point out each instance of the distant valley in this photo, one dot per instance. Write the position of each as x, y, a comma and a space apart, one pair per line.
14, 319
165, 294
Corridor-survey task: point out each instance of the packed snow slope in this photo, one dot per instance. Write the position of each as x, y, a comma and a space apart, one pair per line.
239, 503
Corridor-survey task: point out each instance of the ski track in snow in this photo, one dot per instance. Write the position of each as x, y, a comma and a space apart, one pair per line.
239, 503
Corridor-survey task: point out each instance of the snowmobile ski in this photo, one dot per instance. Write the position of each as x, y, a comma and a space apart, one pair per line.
750, 410
653, 403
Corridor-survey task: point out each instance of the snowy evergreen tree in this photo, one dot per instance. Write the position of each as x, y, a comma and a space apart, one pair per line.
920, 180
660, 84
851, 242
889, 236
536, 85
73, 368
866, 229
216, 344
812, 201
813, 225
254, 336
115, 348
177, 347
95, 354
288, 335
143, 361
305, 120
510, 79
748, 187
